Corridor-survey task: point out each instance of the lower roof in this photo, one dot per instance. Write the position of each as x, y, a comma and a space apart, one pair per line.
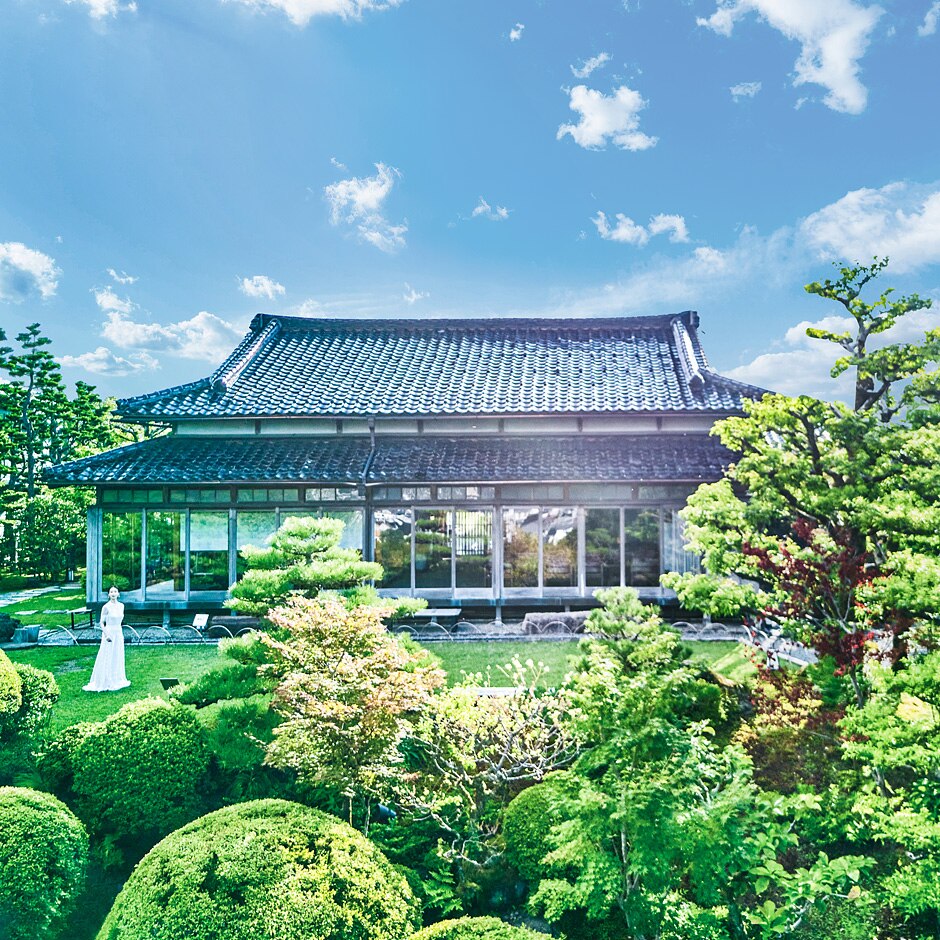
690, 457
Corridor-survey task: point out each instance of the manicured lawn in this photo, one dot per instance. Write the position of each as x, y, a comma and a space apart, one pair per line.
49, 609
72, 665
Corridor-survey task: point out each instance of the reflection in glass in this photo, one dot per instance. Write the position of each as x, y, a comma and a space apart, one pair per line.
473, 547
393, 546
676, 556
602, 547
252, 528
521, 547
165, 553
120, 553
432, 548
641, 547
208, 551
353, 523
559, 548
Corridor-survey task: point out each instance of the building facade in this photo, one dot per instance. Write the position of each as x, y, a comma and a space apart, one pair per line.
485, 463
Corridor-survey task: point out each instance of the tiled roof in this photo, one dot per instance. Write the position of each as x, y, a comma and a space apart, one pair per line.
294, 366
179, 459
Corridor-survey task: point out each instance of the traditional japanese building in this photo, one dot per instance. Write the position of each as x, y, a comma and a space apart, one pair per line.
484, 463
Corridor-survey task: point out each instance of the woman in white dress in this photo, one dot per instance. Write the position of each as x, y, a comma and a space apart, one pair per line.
108, 674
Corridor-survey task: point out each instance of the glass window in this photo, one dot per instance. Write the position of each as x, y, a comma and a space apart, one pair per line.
602, 547
165, 553
208, 551
191, 497
432, 548
521, 547
676, 556
120, 552
559, 548
473, 548
252, 528
268, 496
393, 546
641, 547
353, 520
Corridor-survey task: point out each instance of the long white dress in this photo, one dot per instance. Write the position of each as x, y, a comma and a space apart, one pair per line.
108, 674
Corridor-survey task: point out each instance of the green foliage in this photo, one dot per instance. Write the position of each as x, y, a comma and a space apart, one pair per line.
43, 864
11, 696
39, 692
268, 868
366, 595
50, 531
136, 775
231, 680
721, 598
476, 928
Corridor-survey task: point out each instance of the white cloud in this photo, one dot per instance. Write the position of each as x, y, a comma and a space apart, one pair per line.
102, 361
107, 301
486, 211
122, 278
360, 201
301, 12
632, 233
833, 35
900, 221
24, 271
604, 118
744, 90
100, 9
204, 336
931, 20
261, 286
515, 34
590, 65
412, 296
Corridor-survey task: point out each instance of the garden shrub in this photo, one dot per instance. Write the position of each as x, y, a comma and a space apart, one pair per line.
527, 822
268, 868
10, 691
39, 692
228, 681
43, 864
476, 928
141, 771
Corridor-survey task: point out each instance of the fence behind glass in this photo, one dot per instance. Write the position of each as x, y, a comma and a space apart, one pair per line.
473, 549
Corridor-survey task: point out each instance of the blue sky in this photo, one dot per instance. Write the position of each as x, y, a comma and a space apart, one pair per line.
171, 167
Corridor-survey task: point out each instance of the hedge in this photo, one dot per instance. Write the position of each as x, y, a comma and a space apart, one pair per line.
10, 691
476, 928
264, 869
43, 864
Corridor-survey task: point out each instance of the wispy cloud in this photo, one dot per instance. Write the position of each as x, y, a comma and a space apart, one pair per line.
412, 296
205, 336
102, 9
301, 12
745, 90
833, 35
515, 34
102, 361
607, 118
931, 20
260, 285
485, 211
107, 300
122, 278
629, 232
900, 220
360, 201
24, 272
590, 65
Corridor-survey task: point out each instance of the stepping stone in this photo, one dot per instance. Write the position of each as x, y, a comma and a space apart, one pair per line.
23, 613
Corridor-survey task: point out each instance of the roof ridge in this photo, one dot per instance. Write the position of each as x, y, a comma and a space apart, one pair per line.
162, 393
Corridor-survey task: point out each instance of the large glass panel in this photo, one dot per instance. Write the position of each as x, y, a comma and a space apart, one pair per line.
393, 546
353, 520
602, 547
165, 552
520, 547
559, 548
676, 556
208, 551
641, 547
432, 548
473, 547
252, 528
120, 553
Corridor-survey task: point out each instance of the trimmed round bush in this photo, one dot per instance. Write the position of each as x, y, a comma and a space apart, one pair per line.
476, 928
264, 869
39, 692
11, 697
143, 770
43, 863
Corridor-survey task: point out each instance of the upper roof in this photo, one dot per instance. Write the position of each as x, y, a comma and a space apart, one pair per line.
297, 366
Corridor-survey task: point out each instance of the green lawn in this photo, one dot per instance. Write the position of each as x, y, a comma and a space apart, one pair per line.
49, 610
